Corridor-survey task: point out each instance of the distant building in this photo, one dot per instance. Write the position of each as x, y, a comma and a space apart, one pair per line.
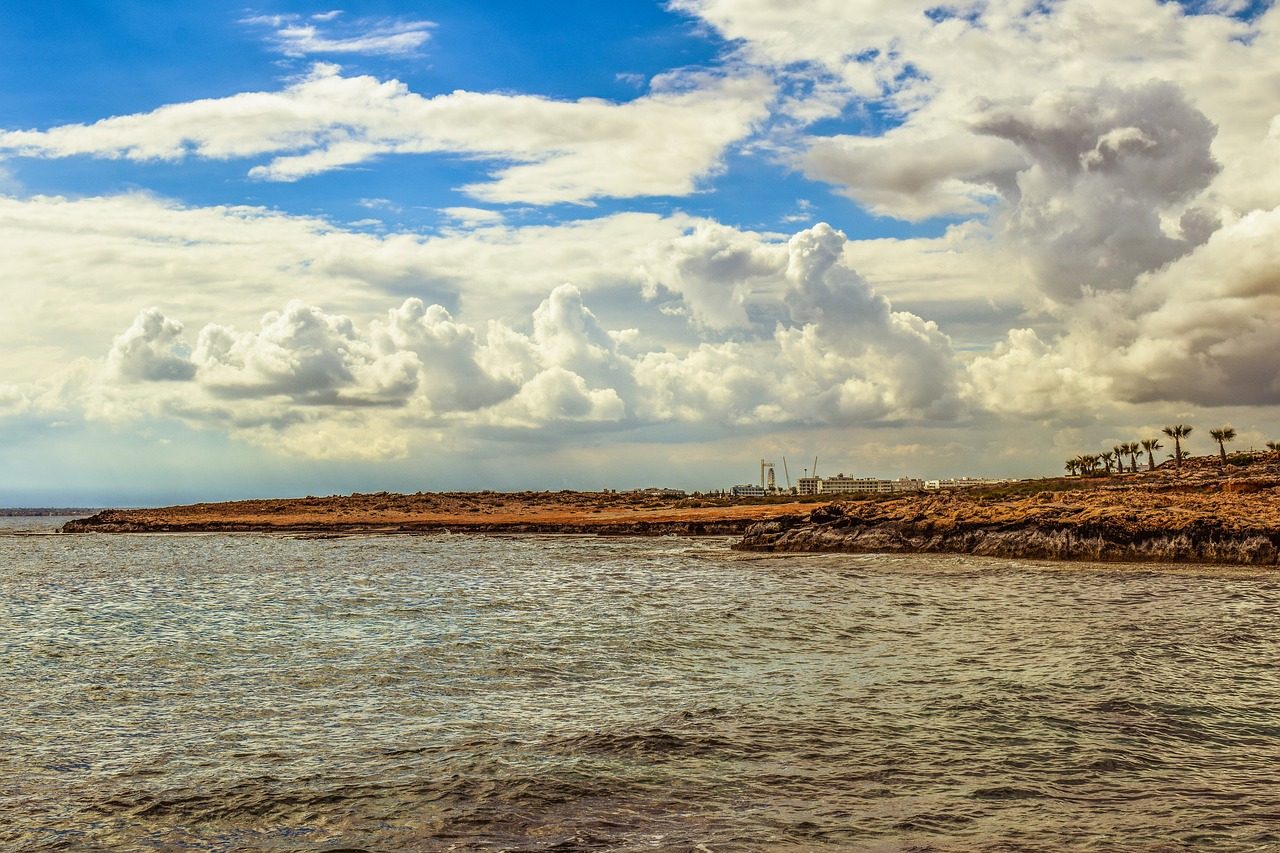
749, 490
655, 492
963, 482
809, 486
843, 485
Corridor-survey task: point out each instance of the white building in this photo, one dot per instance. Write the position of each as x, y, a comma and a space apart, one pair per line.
843, 485
809, 486
962, 482
655, 492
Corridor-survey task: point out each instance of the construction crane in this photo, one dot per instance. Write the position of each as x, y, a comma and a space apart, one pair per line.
786, 473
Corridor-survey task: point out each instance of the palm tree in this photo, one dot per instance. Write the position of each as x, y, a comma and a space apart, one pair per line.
1088, 464
1273, 446
1073, 466
1132, 448
1222, 436
1177, 433
1151, 445
1118, 450
1108, 458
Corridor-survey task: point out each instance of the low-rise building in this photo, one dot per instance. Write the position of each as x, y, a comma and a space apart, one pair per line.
655, 492
843, 485
963, 482
809, 486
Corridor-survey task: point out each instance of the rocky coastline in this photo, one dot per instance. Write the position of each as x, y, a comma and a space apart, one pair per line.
1206, 512
117, 521
580, 513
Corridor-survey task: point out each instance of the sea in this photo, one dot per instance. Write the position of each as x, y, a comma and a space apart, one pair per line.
216, 692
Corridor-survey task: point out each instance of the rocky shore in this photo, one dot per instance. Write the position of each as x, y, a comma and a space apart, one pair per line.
598, 513
1206, 512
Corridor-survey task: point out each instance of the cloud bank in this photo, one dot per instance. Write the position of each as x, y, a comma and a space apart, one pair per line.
546, 151
832, 351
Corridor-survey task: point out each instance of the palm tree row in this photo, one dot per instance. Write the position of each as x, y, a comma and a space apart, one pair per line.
1087, 464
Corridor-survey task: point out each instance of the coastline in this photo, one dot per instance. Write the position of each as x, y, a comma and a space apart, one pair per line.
1205, 513
582, 513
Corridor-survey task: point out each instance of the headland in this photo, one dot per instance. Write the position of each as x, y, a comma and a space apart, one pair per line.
1203, 512
1206, 511
601, 513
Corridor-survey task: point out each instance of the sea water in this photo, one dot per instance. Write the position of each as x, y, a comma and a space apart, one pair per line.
392, 693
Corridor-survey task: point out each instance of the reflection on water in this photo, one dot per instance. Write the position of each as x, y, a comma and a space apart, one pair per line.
231, 692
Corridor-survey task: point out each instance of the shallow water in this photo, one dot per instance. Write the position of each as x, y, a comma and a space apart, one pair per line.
241, 692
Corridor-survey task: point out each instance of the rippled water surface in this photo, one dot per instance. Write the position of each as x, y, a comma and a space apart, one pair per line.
240, 692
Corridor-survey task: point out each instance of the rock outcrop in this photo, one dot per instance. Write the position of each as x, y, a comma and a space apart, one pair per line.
1205, 513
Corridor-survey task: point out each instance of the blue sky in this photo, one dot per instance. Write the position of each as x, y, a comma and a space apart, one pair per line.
288, 248
117, 59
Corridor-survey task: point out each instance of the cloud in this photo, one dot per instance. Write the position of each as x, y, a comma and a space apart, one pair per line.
908, 176
14, 400
1116, 158
837, 353
1106, 165
470, 217
452, 377
1025, 375
547, 151
1203, 329
855, 330
858, 41
828, 350
911, 71
296, 36
152, 349
557, 395
276, 330
306, 356
1199, 331
714, 270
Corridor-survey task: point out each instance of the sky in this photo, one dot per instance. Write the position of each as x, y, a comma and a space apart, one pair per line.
286, 248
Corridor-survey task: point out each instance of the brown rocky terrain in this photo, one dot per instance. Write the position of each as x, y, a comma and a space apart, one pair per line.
1204, 513
610, 513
